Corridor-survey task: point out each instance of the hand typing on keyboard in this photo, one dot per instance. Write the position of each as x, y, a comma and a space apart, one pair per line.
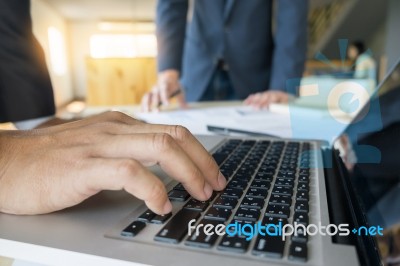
268, 184
53, 168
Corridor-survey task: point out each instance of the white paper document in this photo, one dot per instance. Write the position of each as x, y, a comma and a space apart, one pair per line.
232, 117
281, 120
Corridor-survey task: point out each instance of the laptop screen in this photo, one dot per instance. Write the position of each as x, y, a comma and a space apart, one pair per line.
370, 150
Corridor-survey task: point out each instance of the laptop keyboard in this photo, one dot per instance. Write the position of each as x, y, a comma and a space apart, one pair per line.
268, 181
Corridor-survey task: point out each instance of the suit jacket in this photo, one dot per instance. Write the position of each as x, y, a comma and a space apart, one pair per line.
25, 86
238, 31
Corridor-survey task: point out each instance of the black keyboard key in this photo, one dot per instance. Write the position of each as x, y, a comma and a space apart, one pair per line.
227, 172
212, 197
274, 220
303, 187
264, 143
160, 219
270, 246
303, 179
250, 143
232, 192
234, 244
247, 214
178, 195
301, 206
281, 211
298, 251
177, 227
242, 177
197, 205
304, 172
147, 216
286, 174
288, 167
280, 190
300, 218
300, 234
133, 229
257, 193
250, 163
264, 176
293, 144
179, 187
202, 240
221, 214
262, 184
228, 165
265, 172
267, 168
241, 223
239, 184
280, 200
284, 182
304, 164
220, 157
246, 171
225, 202
302, 195
250, 202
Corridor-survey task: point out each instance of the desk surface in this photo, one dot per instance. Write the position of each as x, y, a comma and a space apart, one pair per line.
282, 120
198, 116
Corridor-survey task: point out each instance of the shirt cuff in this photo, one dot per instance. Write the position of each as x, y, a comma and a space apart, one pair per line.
31, 123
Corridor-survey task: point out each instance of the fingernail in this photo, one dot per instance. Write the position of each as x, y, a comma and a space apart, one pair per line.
208, 190
221, 180
167, 207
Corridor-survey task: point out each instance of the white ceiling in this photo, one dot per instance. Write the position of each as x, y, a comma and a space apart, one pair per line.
117, 9
125, 10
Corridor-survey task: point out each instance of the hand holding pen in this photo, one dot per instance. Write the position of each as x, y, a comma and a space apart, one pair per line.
167, 87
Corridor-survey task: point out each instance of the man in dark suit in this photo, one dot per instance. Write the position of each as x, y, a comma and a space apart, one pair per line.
25, 87
228, 50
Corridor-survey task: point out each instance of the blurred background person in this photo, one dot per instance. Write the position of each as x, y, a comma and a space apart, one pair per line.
228, 50
364, 65
26, 94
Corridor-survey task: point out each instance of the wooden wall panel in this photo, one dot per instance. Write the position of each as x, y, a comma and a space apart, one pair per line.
119, 81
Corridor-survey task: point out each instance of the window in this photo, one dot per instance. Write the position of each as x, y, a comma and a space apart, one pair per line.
58, 57
123, 45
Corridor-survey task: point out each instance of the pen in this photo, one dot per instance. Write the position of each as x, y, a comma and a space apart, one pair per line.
228, 131
175, 93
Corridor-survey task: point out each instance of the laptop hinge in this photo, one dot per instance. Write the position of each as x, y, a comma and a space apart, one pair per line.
339, 212
344, 208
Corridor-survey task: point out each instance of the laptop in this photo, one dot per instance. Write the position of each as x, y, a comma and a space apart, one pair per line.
288, 202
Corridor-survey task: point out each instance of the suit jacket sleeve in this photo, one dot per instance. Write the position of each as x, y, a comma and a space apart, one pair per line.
290, 43
171, 26
25, 86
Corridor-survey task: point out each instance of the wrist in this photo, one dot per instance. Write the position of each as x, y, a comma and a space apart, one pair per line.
169, 74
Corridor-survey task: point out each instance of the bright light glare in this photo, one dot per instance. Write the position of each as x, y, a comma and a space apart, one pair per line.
58, 57
123, 45
76, 107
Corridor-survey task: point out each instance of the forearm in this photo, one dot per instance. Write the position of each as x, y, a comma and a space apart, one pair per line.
290, 43
171, 26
